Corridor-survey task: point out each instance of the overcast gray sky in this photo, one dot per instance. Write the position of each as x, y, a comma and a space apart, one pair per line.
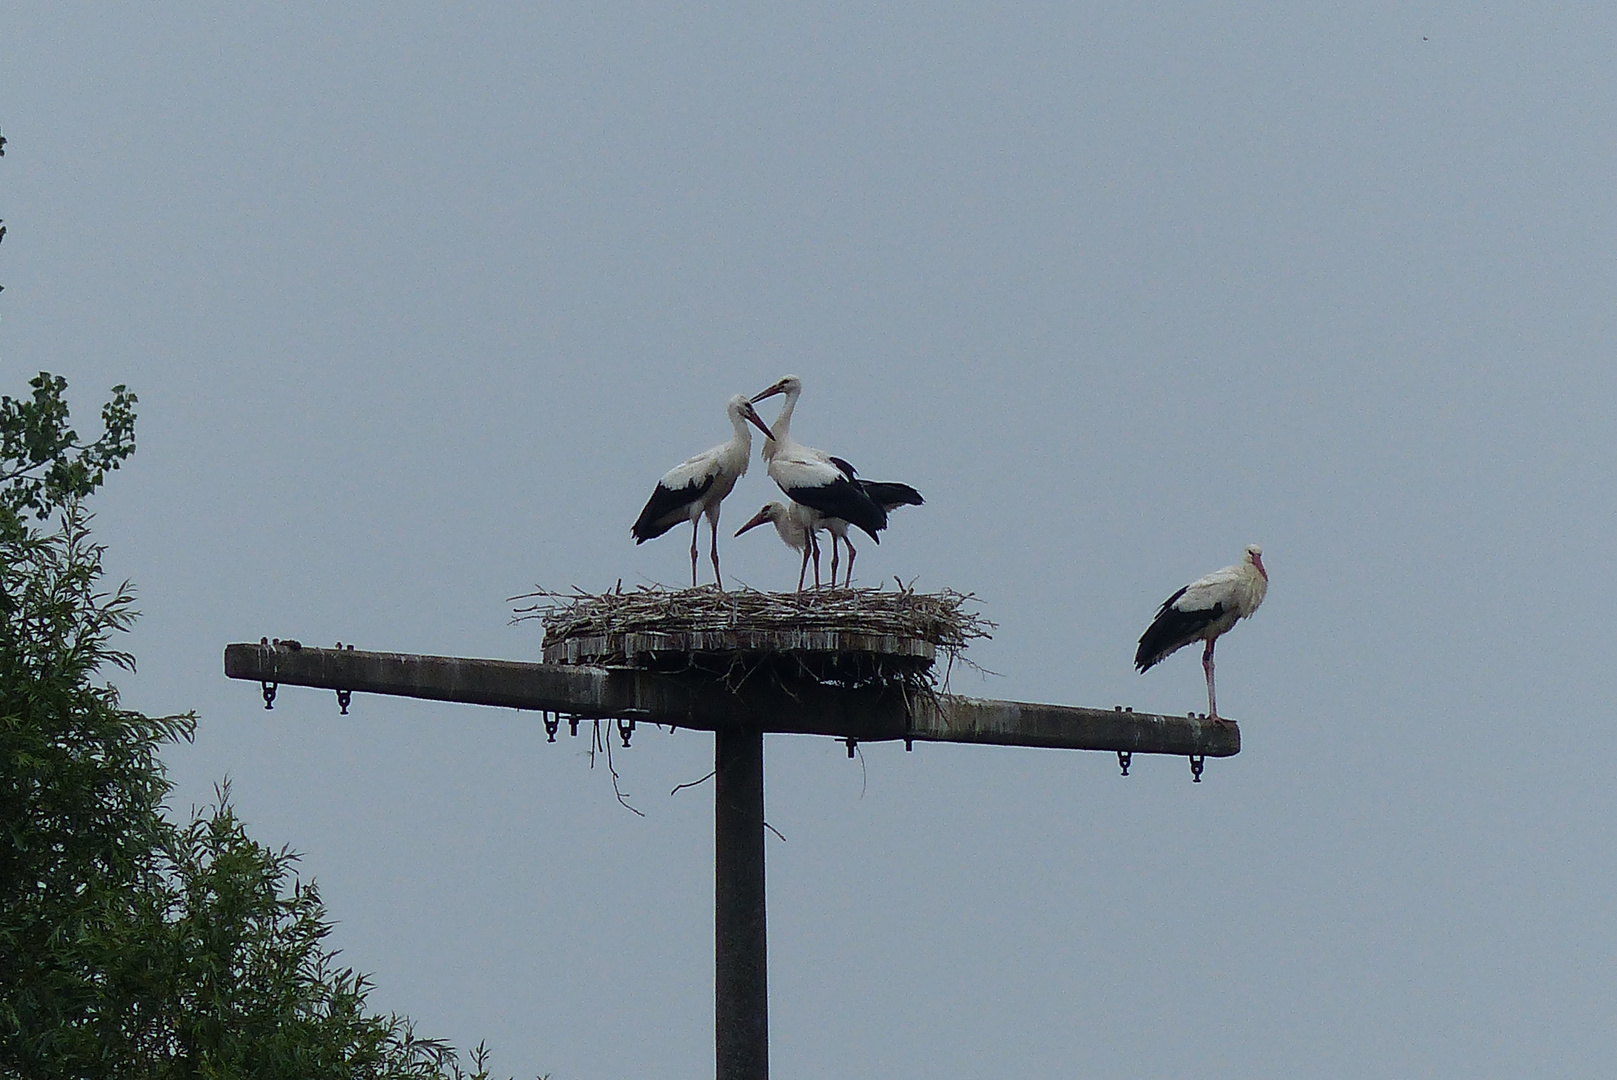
419, 304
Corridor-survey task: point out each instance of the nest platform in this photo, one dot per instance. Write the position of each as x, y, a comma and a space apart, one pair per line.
829, 635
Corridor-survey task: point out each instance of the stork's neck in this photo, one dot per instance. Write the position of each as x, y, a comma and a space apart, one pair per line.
743, 439
782, 427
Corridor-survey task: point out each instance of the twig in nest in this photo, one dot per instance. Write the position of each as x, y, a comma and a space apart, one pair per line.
693, 783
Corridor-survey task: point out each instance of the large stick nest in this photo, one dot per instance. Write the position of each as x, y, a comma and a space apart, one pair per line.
846, 635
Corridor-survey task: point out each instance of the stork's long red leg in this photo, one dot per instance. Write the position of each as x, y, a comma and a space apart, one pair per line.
1207, 666
848, 582
833, 560
696, 527
801, 574
714, 521
814, 542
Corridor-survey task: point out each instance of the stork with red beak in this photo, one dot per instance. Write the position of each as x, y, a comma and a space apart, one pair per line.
1203, 610
794, 524
813, 477
699, 484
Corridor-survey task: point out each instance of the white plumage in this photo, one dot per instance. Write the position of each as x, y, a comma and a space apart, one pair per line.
794, 524
1203, 610
697, 486
813, 477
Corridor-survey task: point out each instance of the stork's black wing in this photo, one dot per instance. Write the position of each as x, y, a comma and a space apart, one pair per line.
845, 499
888, 494
666, 508
1172, 630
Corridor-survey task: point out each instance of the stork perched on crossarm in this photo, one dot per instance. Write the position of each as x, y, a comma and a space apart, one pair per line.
1203, 610
699, 484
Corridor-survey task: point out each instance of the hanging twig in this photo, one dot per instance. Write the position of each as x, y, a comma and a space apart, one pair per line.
623, 799
600, 744
693, 783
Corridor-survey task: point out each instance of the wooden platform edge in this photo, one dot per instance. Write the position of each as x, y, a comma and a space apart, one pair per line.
584, 649
865, 714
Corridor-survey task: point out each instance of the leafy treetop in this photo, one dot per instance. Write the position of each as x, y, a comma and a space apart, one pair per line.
43, 462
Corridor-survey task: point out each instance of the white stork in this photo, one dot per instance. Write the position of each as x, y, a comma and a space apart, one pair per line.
799, 526
697, 486
813, 477
1203, 610
794, 523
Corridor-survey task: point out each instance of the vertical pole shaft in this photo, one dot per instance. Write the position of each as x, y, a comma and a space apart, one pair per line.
741, 987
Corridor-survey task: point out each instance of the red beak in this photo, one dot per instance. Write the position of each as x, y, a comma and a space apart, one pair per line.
752, 414
757, 519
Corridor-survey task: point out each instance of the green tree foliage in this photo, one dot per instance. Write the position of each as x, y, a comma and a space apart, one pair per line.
130, 946
43, 464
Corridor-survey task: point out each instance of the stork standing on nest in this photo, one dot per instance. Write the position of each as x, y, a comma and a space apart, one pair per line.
794, 523
1203, 610
698, 485
812, 477
799, 526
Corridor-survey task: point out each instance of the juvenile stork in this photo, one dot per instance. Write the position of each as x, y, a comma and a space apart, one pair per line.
794, 523
697, 486
1203, 610
813, 477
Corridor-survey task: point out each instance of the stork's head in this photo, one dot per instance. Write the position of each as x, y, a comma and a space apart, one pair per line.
1254, 555
741, 409
791, 385
770, 512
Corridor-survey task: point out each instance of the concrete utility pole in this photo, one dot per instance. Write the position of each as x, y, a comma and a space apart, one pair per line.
739, 720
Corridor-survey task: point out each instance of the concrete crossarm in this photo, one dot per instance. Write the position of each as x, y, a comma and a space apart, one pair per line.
866, 714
